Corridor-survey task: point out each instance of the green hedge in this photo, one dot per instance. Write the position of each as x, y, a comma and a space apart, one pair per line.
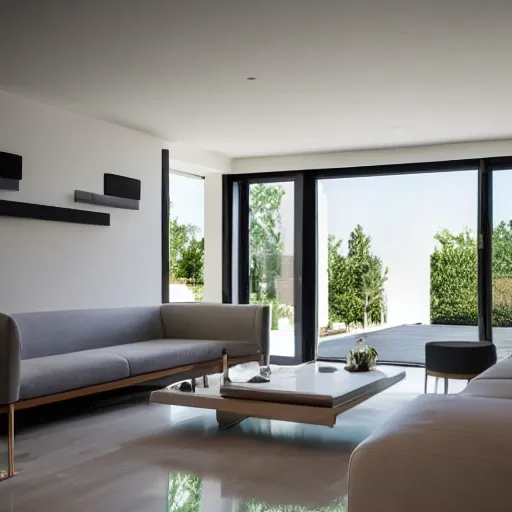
501, 317
453, 278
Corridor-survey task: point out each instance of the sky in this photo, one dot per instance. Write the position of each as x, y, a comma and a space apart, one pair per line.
187, 198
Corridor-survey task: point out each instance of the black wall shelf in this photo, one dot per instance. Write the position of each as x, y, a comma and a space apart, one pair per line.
121, 186
52, 213
10, 166
7, 184
115, 202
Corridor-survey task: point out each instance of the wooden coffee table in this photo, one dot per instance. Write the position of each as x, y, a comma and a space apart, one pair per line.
314, 393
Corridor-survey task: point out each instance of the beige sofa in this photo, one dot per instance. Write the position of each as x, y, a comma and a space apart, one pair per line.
441, 453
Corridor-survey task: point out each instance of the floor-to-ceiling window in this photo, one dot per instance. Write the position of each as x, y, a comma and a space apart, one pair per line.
399, 254
186, 237
397, 262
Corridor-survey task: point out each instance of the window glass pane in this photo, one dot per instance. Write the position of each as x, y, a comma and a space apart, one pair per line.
397, 263
271, 256
502, 263
186, 238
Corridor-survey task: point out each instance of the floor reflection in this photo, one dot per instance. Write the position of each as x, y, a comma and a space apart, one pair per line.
191, 493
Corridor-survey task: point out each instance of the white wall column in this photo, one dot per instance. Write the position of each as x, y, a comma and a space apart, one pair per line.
213, 238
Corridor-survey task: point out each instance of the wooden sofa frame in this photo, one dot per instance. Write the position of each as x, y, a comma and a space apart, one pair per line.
204, 368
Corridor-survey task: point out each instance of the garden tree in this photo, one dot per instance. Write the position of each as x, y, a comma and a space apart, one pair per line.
373, 277
265, 242
344, 305
186, 253
190, 266
369, 275
356, 281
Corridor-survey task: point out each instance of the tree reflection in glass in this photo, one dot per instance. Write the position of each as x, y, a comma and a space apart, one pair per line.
185, 495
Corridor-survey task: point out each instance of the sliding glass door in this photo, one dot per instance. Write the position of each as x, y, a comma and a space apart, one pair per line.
263, 262
398, 254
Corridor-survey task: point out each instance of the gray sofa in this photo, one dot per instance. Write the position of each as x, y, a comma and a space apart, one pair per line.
440, 453
46, 357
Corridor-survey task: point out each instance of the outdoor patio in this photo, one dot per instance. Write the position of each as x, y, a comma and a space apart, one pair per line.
406, 343
399, 344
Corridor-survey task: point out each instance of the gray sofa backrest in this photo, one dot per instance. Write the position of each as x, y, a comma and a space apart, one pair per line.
229, 322
60, 332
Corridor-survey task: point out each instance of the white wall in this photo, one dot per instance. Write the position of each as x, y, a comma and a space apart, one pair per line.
49, 265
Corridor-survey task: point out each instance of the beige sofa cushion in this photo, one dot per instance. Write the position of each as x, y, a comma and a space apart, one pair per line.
490, 388
496, 382
438, 453
502, 370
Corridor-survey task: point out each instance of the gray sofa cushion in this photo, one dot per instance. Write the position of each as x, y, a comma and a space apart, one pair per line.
10, 365
43, 376
60, 332
154, 355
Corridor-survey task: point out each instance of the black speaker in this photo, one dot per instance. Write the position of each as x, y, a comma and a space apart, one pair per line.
10, 166
121, 186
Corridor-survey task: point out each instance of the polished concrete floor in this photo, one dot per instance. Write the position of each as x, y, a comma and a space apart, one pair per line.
122, 454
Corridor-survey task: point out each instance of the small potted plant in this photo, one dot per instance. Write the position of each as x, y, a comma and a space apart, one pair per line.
361, 358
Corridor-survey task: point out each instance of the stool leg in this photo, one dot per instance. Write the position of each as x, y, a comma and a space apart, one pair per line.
206, 384
445, 386
426, 378
437, 382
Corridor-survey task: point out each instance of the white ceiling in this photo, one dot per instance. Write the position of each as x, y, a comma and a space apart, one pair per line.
332, 74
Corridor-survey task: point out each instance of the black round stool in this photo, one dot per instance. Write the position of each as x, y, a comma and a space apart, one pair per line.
457, 360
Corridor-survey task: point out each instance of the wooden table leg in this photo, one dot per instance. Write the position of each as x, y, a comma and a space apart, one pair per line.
229, 419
